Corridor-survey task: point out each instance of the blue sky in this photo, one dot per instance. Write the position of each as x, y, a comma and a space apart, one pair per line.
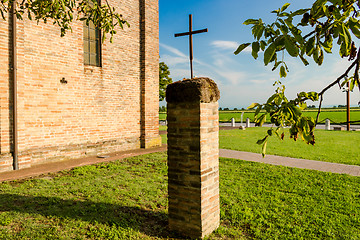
241, 79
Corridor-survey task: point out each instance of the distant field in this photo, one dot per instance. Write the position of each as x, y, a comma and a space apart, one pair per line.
335, 115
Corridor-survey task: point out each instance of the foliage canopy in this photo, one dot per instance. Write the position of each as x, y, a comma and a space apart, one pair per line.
64, 12
164, 80
305, 34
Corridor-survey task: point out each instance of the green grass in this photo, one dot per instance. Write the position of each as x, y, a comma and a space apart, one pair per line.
331, 146
272, 202
162, 128
121, 200
335, 115
127, 199
338, 116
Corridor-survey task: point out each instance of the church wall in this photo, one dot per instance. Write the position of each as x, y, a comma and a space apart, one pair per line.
96, 110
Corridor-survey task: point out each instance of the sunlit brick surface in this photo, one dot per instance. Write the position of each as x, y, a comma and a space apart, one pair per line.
100, 109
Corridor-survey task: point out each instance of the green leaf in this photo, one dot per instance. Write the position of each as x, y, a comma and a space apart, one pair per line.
269, 53
264, 149
271, 98
346, 37
251, 21
241, 47
328, 44
261, 141
343, 50
255, 49
258, 31
321, 57
288, 22
302, 106
316, 54
261, 119
253, 105
303, 95
291, 47
263, 45
304, 60
300, 12
345, 81
282, 72
355, 30
284, 7
346, 14
257, 110
276, 11
297, 34
352, 85
310, 46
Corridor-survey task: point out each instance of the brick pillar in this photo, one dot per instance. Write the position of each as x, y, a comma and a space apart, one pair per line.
193, 156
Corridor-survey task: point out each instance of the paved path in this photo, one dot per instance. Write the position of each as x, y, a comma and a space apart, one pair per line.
69, 164
269, 159
292, 162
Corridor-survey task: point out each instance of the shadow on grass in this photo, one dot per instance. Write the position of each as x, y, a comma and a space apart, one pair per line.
151, 223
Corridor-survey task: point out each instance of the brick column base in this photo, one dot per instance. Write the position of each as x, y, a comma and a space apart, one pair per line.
193, 157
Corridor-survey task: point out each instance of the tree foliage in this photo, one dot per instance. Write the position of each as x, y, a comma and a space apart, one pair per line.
164, 80
64, 12
304, 34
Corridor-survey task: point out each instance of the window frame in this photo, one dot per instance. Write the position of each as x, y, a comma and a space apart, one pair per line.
87, 45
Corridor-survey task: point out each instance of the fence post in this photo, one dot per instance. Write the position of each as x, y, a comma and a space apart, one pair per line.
247, 122
193, 156
327, 124
233, 122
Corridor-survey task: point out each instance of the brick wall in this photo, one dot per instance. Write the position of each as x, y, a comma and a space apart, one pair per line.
98, 110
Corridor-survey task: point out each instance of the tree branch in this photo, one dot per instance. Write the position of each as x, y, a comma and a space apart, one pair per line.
308, 35
108, 5
337, 81
319, 110
341, 77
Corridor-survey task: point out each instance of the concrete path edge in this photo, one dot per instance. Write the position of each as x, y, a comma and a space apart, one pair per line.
53, 167
292, 162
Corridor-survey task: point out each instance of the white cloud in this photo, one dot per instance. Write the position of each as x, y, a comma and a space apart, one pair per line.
172, 61
233, 77
173, 50
228, 45
225, 44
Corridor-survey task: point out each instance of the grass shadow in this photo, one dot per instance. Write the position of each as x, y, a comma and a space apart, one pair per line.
149, 222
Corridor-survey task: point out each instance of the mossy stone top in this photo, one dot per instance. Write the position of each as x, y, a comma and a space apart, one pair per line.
193, 90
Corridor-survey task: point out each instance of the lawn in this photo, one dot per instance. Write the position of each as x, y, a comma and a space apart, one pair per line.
330, 146
127, 199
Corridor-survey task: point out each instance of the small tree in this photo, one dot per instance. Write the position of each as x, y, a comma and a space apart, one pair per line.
164, 80
301, 34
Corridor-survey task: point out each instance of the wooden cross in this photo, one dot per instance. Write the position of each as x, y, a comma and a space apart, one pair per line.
190, 33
